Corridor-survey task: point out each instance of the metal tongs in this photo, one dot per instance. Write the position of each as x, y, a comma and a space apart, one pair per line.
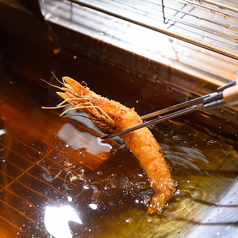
225, 95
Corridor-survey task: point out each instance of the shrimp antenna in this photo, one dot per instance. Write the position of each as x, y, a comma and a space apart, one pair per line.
52, 85
56, 77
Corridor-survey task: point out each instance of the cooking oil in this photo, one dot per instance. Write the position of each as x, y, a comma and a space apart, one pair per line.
97, 187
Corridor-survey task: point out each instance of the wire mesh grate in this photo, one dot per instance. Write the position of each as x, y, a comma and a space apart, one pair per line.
207, 24
207, 21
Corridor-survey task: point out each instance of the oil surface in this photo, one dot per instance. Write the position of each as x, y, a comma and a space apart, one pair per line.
58, 178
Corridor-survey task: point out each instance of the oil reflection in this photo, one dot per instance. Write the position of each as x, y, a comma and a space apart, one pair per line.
57, 218
2, 131
77, 139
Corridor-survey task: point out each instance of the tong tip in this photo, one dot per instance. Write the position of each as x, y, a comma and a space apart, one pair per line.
105, 136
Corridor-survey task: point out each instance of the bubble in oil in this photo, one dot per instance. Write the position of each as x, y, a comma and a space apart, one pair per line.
56, 51
141, 185
67, 145
113, 151
226, 17
211, 142
129, 220
177, 137
82, 150
220, 129
103, 156
93, 206
168, 89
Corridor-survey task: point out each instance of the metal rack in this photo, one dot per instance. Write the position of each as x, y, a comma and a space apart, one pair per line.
207, 24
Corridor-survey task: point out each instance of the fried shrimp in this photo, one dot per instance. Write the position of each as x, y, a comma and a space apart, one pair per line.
111, 116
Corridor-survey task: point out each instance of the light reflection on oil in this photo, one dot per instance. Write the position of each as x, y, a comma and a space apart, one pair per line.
2, 131
56, 220
77, 139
